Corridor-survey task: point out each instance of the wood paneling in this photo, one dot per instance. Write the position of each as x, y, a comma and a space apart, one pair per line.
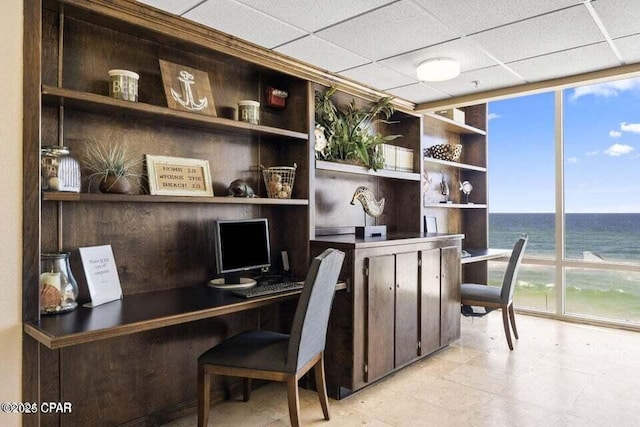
406, 318
380, 316
450, 294
429, 301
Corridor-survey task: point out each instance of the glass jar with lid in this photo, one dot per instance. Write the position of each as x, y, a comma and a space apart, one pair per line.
60, 171
58, 287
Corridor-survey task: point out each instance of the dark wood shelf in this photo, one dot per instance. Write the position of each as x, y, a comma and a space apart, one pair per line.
451, 125
146, 198
482, 254
143, 312
440, 163
103, 104
361, 170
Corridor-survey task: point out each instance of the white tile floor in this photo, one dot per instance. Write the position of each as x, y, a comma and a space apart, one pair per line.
559, 374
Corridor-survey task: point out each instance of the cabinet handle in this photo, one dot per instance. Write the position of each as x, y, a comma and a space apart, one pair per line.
390, 288
398, 285
437, 277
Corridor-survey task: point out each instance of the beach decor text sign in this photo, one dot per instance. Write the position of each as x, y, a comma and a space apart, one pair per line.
178, 176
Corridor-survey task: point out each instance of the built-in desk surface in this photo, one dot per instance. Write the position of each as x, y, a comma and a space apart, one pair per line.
391, 239
142, 312
485, 254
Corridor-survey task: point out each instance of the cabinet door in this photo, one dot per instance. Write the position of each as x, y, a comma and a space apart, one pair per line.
380, 316
429, 301
450, 294
406, 345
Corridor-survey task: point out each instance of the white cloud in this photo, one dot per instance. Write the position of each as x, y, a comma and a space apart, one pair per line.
492, 116
592, 153
630, 127
615, 133
618, 150
572, 160
607, 89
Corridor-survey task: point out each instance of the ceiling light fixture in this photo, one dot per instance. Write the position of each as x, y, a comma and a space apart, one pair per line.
438, 69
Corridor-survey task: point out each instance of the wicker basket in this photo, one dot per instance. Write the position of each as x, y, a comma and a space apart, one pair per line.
444, 152
279, 181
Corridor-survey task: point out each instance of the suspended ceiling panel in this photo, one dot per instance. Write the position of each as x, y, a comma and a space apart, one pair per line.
499, 43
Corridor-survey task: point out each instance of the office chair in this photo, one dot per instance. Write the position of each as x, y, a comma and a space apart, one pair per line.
274, 356
492, 297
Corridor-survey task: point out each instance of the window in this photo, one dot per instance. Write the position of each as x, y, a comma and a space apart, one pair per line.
596, 274
522, 191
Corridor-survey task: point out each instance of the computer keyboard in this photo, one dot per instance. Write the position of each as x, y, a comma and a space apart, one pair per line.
273, 288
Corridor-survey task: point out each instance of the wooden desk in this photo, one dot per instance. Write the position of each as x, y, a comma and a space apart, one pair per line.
143, 312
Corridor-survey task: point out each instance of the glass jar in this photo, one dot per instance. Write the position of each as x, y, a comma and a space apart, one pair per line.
60, 171
58, 287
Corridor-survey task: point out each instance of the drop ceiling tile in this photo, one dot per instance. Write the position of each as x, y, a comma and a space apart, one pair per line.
487, 78
418, 93
569, 62
177, 7
620, 17
313, 15
565, 29
378, 76
388, 31
468, 56
243, 22
628, 48
471, 16
321, 54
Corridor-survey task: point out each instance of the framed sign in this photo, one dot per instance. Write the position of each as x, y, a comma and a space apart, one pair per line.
178, 176
187, 89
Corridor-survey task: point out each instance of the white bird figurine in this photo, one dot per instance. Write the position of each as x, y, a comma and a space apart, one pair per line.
371, 207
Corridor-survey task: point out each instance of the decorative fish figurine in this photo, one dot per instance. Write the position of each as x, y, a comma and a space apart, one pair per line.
371, 207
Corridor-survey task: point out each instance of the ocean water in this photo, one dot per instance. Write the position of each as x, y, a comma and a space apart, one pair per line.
592, 237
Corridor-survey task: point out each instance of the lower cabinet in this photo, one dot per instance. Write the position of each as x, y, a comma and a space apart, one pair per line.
439, 298
402, 302
392, 313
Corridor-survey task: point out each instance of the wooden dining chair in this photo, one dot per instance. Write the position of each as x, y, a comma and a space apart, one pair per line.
266, 355
492, 297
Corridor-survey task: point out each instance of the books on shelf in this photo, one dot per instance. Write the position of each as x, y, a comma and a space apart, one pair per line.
397, 158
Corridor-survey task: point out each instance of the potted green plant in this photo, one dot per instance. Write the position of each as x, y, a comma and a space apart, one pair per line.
111, 167
351, 135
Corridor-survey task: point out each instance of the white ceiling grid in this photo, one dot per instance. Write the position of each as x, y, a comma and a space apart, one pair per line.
499, 43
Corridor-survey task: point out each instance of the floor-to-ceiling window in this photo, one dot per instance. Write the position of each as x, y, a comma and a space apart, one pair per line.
565, 168
601, 125
522, 193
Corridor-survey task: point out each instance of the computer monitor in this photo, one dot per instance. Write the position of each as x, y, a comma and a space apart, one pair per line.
240, 246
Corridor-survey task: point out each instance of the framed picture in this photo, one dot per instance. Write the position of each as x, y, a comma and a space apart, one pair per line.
430, 224
187, 89
178, 176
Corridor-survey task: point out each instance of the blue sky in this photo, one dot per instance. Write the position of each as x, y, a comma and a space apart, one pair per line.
602, 150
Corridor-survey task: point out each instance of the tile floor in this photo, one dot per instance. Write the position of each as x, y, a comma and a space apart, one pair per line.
559, 374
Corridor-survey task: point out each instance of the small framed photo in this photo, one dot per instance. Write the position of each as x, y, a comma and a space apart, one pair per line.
187, 89
430, 224
178, 176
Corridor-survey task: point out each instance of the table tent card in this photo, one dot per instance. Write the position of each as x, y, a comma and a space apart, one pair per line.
101, 273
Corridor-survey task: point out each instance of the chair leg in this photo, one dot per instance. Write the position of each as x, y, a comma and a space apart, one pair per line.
321, 385
505, 321
512, 317
294, 401
204, 389
246, 389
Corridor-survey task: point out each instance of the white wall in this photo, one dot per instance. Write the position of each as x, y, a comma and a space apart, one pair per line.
11, 207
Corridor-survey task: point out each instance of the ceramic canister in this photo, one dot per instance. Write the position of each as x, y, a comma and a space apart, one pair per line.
123, 84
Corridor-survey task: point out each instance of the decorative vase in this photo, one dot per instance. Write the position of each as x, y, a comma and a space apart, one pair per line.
114, 184
58, 287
